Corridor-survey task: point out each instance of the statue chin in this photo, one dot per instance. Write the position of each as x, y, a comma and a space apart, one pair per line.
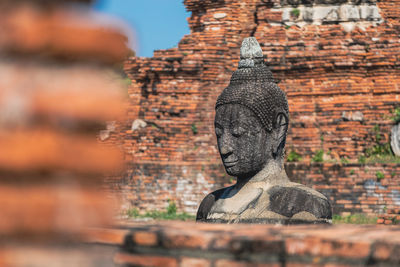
251, 119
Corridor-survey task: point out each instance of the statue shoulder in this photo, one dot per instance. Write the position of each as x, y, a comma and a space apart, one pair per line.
295, 198
207, 203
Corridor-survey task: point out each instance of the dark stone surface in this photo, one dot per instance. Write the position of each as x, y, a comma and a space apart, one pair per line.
288, 201
241, 140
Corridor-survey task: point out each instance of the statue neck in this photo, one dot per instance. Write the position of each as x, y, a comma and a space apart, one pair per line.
273, 173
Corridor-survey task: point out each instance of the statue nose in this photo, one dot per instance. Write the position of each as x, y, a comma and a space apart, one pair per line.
226, 147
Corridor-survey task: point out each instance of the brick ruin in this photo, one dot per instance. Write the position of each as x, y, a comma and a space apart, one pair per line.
337, 61
187, 244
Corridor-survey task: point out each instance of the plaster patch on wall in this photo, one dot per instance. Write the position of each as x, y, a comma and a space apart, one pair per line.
349, 14
372, 186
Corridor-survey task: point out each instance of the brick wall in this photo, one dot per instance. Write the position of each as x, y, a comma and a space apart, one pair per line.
57, 89
197, 244
341, 78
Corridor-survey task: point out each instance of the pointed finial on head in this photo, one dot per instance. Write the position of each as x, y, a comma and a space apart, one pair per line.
250, 53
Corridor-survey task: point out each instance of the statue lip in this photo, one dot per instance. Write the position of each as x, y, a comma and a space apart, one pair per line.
230, 163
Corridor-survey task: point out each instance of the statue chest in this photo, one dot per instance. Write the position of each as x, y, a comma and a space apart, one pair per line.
231, 205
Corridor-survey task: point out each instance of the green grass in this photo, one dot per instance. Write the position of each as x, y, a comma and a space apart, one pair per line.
382, 159
354, 219
170, 214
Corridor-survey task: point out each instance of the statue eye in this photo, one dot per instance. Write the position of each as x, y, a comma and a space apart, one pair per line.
218, 131
238, 131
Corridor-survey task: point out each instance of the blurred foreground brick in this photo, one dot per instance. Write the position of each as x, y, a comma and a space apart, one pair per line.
198, 244
58, 87
62, 33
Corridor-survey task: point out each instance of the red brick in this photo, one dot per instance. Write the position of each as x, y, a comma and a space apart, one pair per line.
105, 236
26, 29
46, 210
194, 262
327, 248
232, 263
43, 149
151, 261
187, 239
145, 238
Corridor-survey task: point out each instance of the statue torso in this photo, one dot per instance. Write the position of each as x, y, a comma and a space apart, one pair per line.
259, 202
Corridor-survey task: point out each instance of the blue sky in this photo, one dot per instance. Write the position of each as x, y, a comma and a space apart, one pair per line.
158, 24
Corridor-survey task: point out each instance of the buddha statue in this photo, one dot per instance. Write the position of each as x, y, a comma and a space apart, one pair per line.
251, 122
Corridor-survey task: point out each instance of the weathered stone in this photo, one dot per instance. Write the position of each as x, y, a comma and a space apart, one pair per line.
348, 12
348, 26
352, 116
365, 12
251, 123
319, 12
332, 16
138, 124
395, 139
308, 14
250, 49
219, 15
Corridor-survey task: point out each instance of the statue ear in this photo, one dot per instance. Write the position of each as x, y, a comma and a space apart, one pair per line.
279, 134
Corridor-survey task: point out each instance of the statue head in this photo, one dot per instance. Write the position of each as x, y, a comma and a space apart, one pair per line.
252, 116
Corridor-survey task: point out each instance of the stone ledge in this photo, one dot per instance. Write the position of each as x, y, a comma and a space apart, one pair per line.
177, 243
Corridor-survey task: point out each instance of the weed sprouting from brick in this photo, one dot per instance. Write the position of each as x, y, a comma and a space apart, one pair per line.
319, 156
194, 129
362, 159
295, 12
396, 115
293, 156
379, 176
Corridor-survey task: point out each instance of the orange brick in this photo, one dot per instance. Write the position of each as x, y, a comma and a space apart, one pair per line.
43, 149
26, 29
51, 210
151, 261
105, 236
54, 94
145, 238
194, 262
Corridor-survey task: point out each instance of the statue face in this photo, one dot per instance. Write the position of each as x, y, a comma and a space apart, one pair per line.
244, 145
